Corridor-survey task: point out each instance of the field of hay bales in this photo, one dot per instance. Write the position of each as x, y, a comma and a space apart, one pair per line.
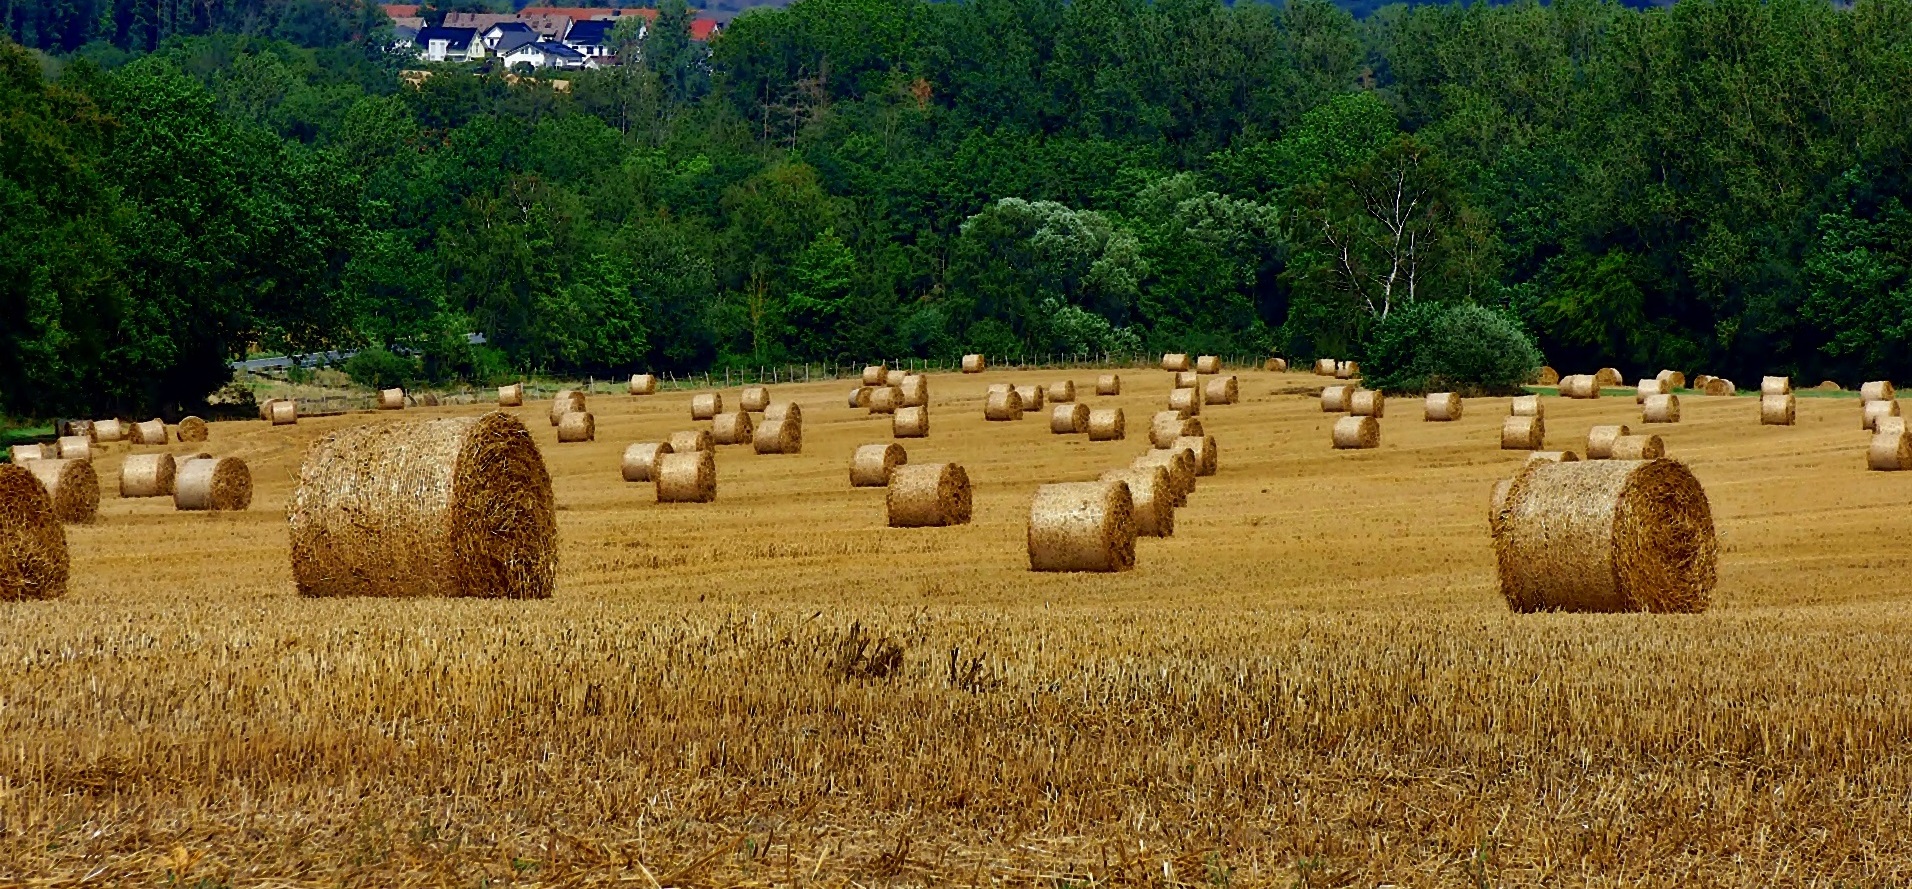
1314, 682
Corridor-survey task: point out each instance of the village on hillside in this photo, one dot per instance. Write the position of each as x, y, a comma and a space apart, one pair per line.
560, 37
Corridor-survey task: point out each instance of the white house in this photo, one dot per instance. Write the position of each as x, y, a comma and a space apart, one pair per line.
547, 55
449, 44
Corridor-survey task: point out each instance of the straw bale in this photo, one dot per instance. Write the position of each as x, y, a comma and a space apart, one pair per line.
1347, 370
192, 429
1526, 406
640, 460
1638, 447
1325, 367
1180, 465
1069, 419
1001, 387
910, 422
1828, 386
1151, 498
1107, 424
1187, 379
1670, 380
686, 477
205, 482
732, 428
781, 436
1004, 404
1187, 402
1579, 386
1357, 433
860, 397
1721, 386
1552, 457
974, 364
1060, 393
754, 399
894, 377
1890, 424
872, 464
1108, 384
1700, 381
150, 432
1031, 397
33, 557
577, 426
1607, 377
1890, 451
1175, 362
1167, 426
1644, 390
567, 401
642, 384
23, 453
1336, 399
1877, 390
928, 495
1600, 441
1202, 448
74, 447
781, 409
876, 375
78, 427
1275, 365
147, 475
109, 431
885, 399
1546, 376
1869, 418
1082, 526
1208, 364
1775, 385
1367, 403
705, 405
1523, 434
73, 487
391, 399
285, 412
1776, 409
690, 441
915, 390
1222, 390
1661, 409
511, 396
1496, 501
1442, 407
1608, 535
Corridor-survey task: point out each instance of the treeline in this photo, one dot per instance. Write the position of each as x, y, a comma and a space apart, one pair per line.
64, 26
1718, 186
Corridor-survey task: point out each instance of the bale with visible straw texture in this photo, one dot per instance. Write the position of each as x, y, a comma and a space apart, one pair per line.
1069, 419
1718, 386
1552, 457
1775, 385
207, 483
577, 426
754, 399
640, 460
109, 431
511, 396
1442, 407
1776, 410
929, 495
1151, 498
1670, 380
1610, 535
781, 409
1221, 390
860, 397
1546, 376
910, 422
974, 364
151, 432
1187, 379
147, 475
894, 377
1082, 526
1275, 365
1890, 424
1872, 412
391, 399
1661, 409
82, 428
1107, 424
1202, 448
872, 464
1336, 399
642, 384
1031, 397
1526, 406
1356, 433
1180, 465
1645, 389
1005, 404
1638, 447
33, 557
72, 486
1700, 381
1325, 367
1579, 386
1347, 370
1828, 386
876, 375
1367, 403
23, 453
885, 399
568, 401
1060, 393
915, 390
686, 477
192, 429
1208, 364
780, 436
1890, 451
1187, 402
74, 447
285, 413
1108, 384
1167, 426
1502, 487
1600, 441
731, 429
691, 441
1523, 434
1877, 390
1607, 377
1175, 362
704, 405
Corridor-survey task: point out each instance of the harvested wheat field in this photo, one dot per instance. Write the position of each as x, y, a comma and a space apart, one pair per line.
1314, 682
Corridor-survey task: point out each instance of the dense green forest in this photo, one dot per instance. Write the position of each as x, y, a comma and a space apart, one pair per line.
1721, 186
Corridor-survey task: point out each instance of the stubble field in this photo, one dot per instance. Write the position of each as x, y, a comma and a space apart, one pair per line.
1313, 683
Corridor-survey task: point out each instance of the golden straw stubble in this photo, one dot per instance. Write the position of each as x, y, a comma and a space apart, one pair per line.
640, 460
147, 475
928, 495
1069, 418
208, 483
1082, 526
72, 486
33, 556
872, 464
910, 422
1107, 424
1151, 496
687, 477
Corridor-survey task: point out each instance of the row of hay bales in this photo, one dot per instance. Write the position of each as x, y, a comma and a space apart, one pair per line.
79, 437
1890, 449
1361, 429
683, 469
1340, 370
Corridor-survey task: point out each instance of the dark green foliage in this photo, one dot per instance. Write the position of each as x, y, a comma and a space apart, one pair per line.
378, 369
1434, 347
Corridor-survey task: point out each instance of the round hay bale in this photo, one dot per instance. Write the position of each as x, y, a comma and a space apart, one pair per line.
1827, 386
1175, 362
1579, 386
1700, 381
1060, 393
732, 428
391, 399
1325, 367
885, 399
1005, 404
151, 432
779, 410
1553, 457
1661, 409
1082, 526
1108, 384
1275, 365
640, 460
1775, 385
568, 401
974, 364
860, 397
109, 431
1202, 448
704, 405
74, 447
1776, 409
1000, 387
1720, 386
1526, 406
690, 441
223, 484
1208, 364
1638, 447
1187, 402
1608, 535
1890, 451
1187, 379
147, 475
1546, 376
1069, 419
1180, 465
915, 390
928, 495
1151, 498
1167, 426
1670, 380
782, 436
910, 422
72, 486
577, 426
876, 375
192, 429
1869, 417
1221, 390
754, 399
1645, 389
1877, 390
1523, 434
285, 413
1890, 424
1031, 397
1107, 424
1367, 403
1442, 407
1357, 433
872, 464
23, 453
1496, 501
511, 396
33, 557
1347, 370
894, 377
1600, 441
642, 384
1607, 377
686, 477
1336, 399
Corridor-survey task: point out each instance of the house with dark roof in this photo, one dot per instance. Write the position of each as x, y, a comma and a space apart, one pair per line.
448, 44
547, 55
591, 38
504, 37
477, 21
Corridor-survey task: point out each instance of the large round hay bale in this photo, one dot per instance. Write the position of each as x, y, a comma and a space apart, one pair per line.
1202, 448
1579, 386
1001, 387
1720, 386
1336, 399
640, 460
928, 495
1175, 362
1828, 386
23, 453
1180, 465
1187, 402
1700, 381
974, 364
1775, 385
1060, 393
147, 475
1208, 364
1069, 419
1107, 424
781, 409
1526, 406
781, 436
1670, 380
1546, 376
732, 428
1890, 451
1869, 417
72, 486
1776, 409
1082, 526
1442, 407
885, 399
1607, 377
860, 397
1356, 433
894, 377
1890, 424
33, 557
1347, 370
1275, 365
511, 396
391, 399
220, 484
915, 390
1661, 409
1523, 434
1221, 390
577, 426
691, 441
1607, 535
910, 422
872, 464
192, 429
686, 477
1187, 379
150, 432
876, 375
642, 384
568, 401
1167, 426
1600, 441
704, 405
1005, 404
285, 413
1638, 447
74, 447
1645, 389
1151, 498
1325, 367
754, 399
1877, 390
109, 430
1031, 397
1367, 403
1108, 384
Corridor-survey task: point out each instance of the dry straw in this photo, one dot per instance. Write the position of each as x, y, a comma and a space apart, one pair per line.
691, 440
1325, 367
731, 429
1890, 451
391, 399
511, 396
915, 390
207, 483
285, 413
1202, 448
1776, 410
1151, 498
568, 401
1222, 390
1638, 447
1890, 424
33, 557
577, 426
860, 397
780, 409
151, 432
1646, 389
910, 422
147, 475
640, 460
894, 377
1167, 426
1347, 370
1107, 424
1523, 434
1108, 384
1367, 403
82, 428
1180, 466
1526, 406
1828, 386
1069, 419
1775, 385
1031, 397
754, 399
23, 453
1600, 441
1700, 381
781, 436
1060, 393
1335, 399
1442, 407
1877, 390
643, 384
1872, 413
1208, 364
1553, 457
109, 430
686, 477
73, 487
1187, 402
1275, 365
872, 464
974, 364
1607, 377
192, 429
1506, 485
1720, 386
885, 399
1670, 380
876, 375
1609, 535
1082, 526
1004, 404
928, 495
703, 406
1187, 379
1546, 376
1661, 409
1357, 433
1579, 386
74, 447
1175, 362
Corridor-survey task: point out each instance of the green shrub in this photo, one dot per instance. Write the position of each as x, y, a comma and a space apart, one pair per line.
379, 369
1430, 347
